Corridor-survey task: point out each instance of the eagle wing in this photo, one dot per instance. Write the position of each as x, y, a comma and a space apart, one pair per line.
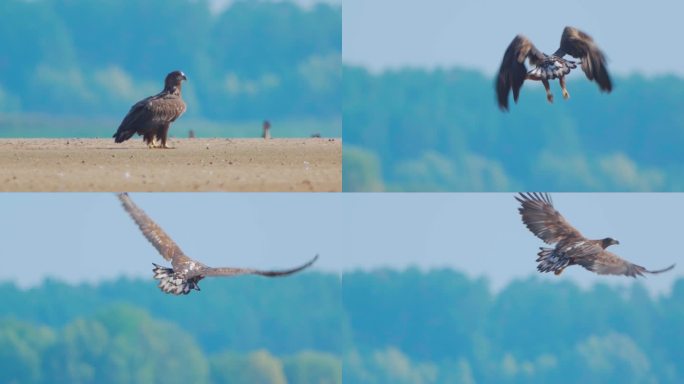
542, 219
608, 263
149, 113
246, 271
513, 72
166, 247
581, 46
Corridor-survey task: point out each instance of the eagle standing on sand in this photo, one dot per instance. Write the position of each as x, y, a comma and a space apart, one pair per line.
574, 42
151, 117
572, 248
186, 272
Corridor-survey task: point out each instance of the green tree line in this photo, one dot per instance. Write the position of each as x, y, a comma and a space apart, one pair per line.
247, 330
383, 326
254, 60
441, 326
124, 344
441, 130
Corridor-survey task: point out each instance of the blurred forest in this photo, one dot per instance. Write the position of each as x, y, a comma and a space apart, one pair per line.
379, 327
441, 130
75, 67
245, 330
443, 327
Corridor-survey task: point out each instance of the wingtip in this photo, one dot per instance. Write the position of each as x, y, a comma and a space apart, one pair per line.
310, 262
663, 270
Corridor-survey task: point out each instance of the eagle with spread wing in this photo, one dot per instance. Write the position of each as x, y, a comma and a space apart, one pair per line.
152, 117
574, 42
186, 272
542, 219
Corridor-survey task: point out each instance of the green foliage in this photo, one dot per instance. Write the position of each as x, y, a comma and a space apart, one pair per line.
409, 326
439, 326
127, 331
258, 367
441, 130
253, 61
122, 344
388, 366
284, 316
361, 170
606, 357
383, 307
309, 367
22, 346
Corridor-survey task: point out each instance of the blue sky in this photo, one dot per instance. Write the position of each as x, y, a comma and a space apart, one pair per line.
80, 237
383, 34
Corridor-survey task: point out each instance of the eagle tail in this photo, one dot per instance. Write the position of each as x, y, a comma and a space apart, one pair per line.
550, 261
170, 282
122, 135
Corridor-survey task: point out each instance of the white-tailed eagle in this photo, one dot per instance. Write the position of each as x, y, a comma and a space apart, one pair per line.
542, 219
186, 272
151, 117
574, 42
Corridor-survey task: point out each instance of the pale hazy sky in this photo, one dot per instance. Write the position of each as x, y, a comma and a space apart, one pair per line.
88, 237
384, 34
219, 5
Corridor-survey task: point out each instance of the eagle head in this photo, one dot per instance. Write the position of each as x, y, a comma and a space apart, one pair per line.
174, 79
608, 241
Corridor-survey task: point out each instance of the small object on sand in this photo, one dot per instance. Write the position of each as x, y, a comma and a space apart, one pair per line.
266, 134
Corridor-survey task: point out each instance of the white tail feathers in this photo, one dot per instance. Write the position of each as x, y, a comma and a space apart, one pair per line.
172, 283
550, 261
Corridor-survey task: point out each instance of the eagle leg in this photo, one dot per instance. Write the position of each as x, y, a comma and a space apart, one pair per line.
549, 95
566, 94
148, 138
162, 137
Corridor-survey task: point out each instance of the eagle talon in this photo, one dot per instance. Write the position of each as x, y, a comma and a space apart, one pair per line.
549, 97
557, 272
566, 94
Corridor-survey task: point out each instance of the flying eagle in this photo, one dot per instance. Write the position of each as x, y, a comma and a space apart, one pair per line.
574, 42
186, 272
151, 117
572, 248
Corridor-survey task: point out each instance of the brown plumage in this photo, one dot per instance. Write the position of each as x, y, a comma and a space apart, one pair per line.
542, 219
574, 42
186, 272
151, 117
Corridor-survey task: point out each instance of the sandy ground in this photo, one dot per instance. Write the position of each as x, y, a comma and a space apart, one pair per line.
311, 164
